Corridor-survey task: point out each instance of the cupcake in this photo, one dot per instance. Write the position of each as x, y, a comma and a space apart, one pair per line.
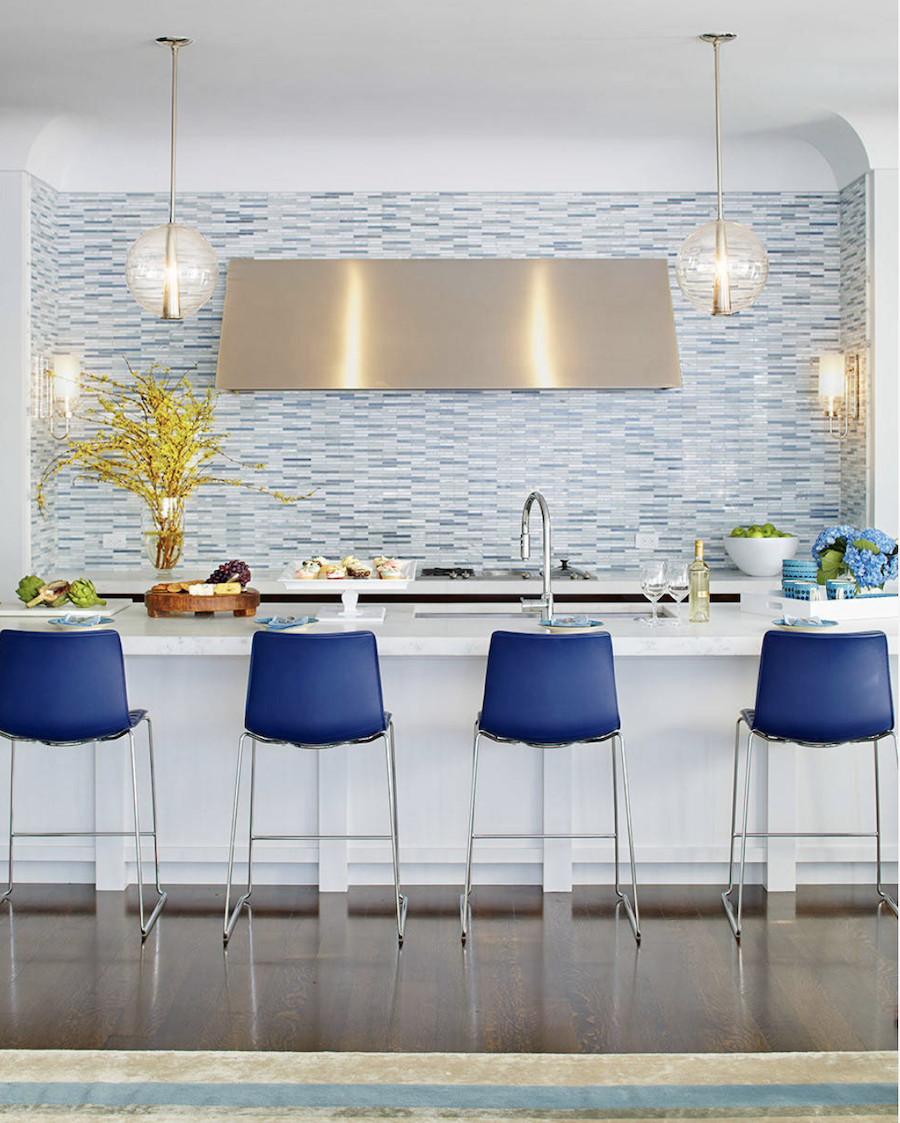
308, 570
331, 572
357, 569
390, 570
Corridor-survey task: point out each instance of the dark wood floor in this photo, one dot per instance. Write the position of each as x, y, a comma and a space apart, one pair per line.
555, 973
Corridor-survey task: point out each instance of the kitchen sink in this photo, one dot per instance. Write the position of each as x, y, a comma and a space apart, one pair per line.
432, 613
499, 612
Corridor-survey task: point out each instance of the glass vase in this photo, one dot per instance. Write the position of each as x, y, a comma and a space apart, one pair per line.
162, 529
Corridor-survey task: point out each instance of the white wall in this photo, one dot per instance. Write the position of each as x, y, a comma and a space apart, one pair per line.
14, 376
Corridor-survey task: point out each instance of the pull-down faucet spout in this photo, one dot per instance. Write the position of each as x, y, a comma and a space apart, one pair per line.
546, 601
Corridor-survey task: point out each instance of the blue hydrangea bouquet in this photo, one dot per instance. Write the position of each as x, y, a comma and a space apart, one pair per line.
869, 556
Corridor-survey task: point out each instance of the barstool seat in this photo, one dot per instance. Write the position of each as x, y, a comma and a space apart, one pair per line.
820, 692
89, 704
313, 692
552, 692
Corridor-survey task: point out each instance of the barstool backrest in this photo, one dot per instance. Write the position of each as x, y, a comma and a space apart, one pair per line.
62, 687
550, 689
824, 689
314, 690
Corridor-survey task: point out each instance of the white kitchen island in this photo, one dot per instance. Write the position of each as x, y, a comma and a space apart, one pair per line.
680, 689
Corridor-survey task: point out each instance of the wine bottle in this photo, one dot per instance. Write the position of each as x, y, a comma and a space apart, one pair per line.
698, 598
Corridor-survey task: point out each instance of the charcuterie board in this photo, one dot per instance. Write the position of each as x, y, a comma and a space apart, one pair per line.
161, 603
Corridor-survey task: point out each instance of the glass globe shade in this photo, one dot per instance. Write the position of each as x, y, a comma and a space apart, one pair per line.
177, 257
745, 266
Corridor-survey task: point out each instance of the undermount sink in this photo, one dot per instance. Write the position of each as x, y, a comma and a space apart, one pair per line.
499, 612
433, 613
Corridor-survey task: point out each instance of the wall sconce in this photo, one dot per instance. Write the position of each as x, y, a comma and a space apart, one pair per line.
839, 386
56, 391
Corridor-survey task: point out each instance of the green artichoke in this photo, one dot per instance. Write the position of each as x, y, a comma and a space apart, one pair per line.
29, 587
83, 594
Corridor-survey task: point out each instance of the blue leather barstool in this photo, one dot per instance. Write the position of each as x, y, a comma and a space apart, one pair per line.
821, 692
313, 692
551, 692
83, 700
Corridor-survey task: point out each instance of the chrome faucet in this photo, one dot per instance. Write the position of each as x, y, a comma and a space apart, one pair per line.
546, 600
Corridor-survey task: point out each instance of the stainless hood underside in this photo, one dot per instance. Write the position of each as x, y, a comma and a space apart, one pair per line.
448, 324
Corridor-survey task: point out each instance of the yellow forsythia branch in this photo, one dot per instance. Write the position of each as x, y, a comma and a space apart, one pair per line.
152, 436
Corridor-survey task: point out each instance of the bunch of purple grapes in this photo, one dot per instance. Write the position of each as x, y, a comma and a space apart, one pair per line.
231, 571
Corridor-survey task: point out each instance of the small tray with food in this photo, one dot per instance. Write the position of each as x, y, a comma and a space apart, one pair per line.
319, 575
37, 597
225, 590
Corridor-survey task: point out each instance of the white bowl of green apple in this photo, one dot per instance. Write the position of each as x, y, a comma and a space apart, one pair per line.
759, 549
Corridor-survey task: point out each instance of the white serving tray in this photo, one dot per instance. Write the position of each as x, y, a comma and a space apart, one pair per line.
843, 611
112, 606
347, 584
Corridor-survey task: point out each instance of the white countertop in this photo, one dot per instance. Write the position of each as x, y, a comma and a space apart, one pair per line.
461, 631
603, 582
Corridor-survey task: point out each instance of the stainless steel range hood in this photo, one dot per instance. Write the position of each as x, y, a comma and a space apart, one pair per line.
448, 324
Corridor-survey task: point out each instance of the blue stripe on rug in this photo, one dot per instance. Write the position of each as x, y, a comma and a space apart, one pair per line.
471, 1096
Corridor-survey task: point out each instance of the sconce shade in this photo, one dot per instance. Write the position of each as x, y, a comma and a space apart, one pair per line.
831, 375
66, 372
722, 268
172, 271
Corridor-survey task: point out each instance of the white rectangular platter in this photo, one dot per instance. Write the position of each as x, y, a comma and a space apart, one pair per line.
112, 606
348, 584
863, 608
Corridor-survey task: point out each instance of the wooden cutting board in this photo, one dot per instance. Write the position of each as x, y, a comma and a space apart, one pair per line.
162, 604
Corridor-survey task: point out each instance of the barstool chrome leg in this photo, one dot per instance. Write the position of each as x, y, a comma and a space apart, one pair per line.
162, 895
734, 784
888, 900
401, 901
145, 926
633, 911
735, 920
231, 917
12, 772
464, 907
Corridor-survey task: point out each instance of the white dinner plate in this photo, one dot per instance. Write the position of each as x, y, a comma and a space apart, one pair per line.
81, 623
284, 623
812, 625
570, 624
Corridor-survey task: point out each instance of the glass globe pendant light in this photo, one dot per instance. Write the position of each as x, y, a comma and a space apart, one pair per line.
722, 267
172, 270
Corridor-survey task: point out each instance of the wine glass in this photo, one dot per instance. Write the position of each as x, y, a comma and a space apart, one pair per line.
654, 582
679, 584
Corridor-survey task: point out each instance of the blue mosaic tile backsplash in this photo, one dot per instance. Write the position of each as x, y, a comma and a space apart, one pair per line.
442, 475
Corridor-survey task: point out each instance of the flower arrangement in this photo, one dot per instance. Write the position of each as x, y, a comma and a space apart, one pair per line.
153, 436
869, 556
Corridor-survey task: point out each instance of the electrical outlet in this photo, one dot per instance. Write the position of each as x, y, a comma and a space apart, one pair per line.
118, 540
646, 540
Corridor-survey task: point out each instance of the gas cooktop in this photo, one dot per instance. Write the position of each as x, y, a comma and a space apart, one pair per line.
502, 572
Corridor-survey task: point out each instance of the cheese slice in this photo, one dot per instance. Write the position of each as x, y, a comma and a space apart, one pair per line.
201, 590
228, 588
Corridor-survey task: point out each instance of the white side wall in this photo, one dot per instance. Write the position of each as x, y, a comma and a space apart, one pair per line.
14, 376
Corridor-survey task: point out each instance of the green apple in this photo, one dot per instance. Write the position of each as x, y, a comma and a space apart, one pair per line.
757, 533
738, 532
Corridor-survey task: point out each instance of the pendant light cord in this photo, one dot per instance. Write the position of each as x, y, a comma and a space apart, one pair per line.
175, 47
720, 204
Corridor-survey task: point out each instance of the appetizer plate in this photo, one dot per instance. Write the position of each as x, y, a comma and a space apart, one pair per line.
72, 623
812, 625
112, 606
570, 624
284, 623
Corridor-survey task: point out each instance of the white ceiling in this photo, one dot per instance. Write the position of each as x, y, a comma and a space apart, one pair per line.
331, 93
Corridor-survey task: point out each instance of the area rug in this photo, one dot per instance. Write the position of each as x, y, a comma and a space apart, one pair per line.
190, 1087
